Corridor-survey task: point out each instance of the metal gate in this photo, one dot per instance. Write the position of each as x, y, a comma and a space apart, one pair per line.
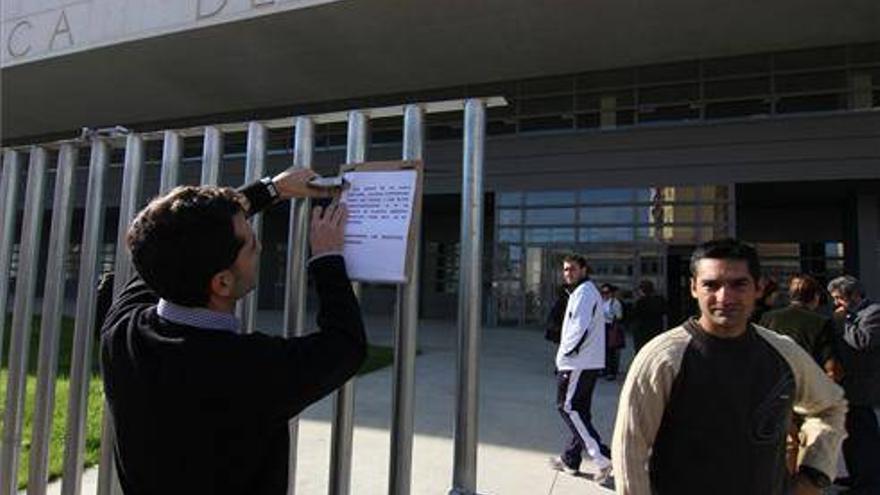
101, 144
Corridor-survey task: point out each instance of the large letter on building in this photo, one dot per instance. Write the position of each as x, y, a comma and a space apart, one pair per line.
202, 14
61, 27
12, 32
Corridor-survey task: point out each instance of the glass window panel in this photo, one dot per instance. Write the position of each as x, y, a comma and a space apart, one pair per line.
552, 122
778, 249
869, 52
588, 121
549, 216
714, 193
812, 103
549, 198
593, 101
606, 214
509, 217
643, 214
652, 113
645, 233
547, 235
509, 235
643, 194
590, 101
676, 234
650, 266
538, 235
606, 195
510, 198
834, 266
834, 249
731, 109
514, 252
562, 234
737, 88
706, 234
680, 214
679, 194
543, 105
670, 94
810, 82
605, 234
628, 117
509, 261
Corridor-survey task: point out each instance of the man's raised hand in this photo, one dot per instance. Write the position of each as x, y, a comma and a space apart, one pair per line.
328, 229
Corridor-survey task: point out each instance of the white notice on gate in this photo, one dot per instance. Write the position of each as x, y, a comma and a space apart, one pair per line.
380, 208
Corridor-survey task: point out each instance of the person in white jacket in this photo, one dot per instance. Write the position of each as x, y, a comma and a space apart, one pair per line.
579, 359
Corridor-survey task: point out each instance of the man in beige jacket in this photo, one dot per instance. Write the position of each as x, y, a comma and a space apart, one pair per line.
706, 406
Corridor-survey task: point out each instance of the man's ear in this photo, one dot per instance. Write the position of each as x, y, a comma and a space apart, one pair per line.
694, 287
222, 284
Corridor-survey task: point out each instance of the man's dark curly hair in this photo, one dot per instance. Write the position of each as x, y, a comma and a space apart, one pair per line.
182, 239
727, 249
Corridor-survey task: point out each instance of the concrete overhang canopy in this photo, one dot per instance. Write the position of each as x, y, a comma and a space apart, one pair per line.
350, 49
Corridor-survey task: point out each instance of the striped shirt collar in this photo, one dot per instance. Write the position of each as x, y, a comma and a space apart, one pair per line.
197, 317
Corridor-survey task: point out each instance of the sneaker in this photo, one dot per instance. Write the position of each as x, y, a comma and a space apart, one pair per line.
604, 477
559, 465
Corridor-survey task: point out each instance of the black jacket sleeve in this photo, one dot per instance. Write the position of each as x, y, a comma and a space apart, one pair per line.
286, 375
553, 327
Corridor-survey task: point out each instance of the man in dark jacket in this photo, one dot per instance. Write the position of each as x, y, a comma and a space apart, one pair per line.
800, 321
647, 315
198, 406
859, 351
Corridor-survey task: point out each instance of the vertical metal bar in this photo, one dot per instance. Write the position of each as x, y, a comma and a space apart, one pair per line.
171, 151
255, 168
132, 177
8, 215
407, 320
297, 250
20, 335
212, 155
464, 480
343, 404
50, 326
80, 369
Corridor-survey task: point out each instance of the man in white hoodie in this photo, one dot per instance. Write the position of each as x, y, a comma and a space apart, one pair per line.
579, 359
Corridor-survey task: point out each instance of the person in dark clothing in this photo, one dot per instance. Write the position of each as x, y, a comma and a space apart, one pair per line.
800, 321
810, 330
767, 300
647, 315
553, 327
858, 348
706, 406
199, 407
614, 338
